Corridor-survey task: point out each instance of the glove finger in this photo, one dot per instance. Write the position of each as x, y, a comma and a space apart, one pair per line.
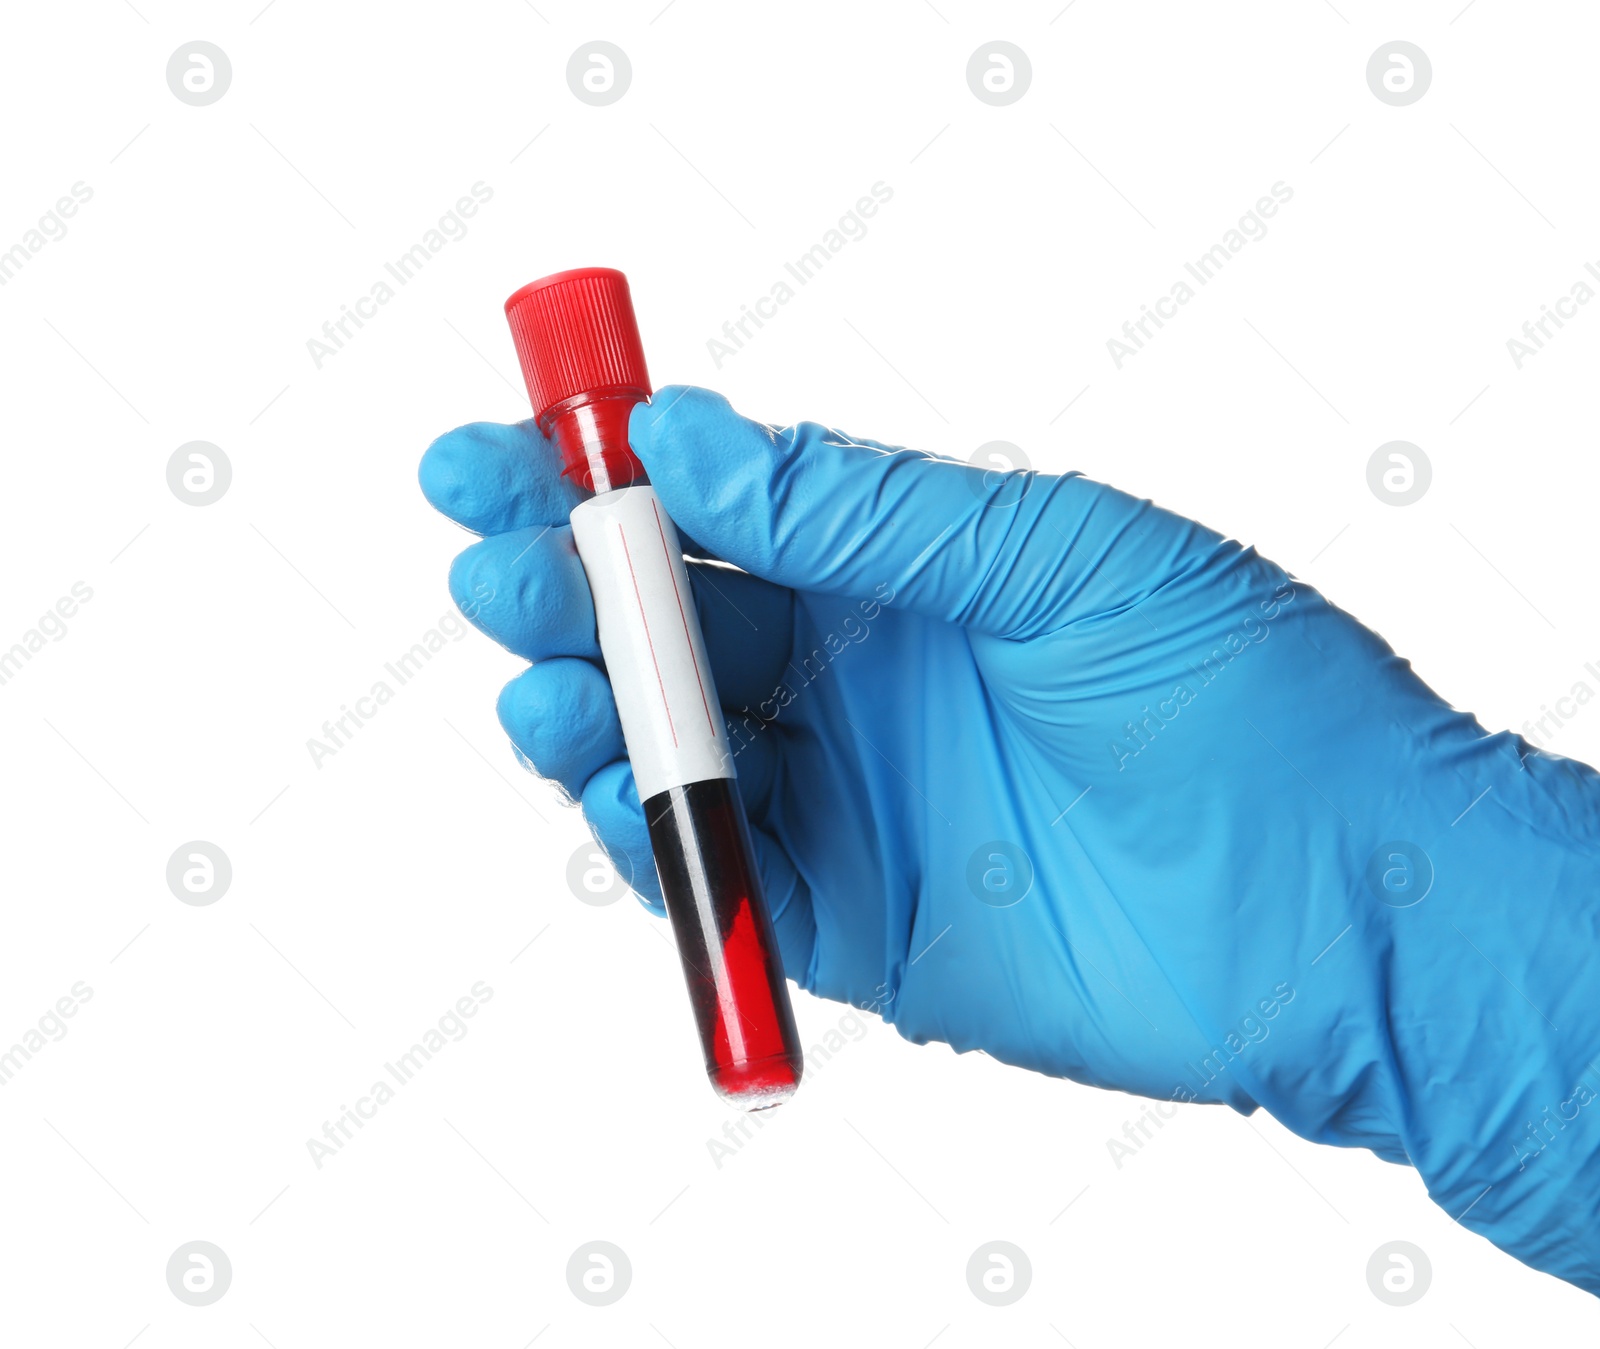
562, 719
612, 811
1008, 554
493, 478
526, 589
611, 808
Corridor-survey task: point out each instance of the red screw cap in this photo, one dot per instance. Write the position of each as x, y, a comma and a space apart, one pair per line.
576, 334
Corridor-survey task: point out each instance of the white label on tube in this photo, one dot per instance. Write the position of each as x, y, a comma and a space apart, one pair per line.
650, 638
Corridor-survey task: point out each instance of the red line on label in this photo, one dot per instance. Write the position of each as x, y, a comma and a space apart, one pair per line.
673, 573
660, 683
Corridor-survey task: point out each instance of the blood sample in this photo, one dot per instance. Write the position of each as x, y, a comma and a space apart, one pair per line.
578, 343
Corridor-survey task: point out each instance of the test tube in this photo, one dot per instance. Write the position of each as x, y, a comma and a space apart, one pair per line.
578, 344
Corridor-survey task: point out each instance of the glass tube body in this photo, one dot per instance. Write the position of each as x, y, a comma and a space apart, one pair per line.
699, 835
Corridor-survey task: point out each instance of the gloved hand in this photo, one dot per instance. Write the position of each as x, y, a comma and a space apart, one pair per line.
1039, 768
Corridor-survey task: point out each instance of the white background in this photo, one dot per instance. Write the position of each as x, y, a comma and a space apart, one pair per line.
372, 892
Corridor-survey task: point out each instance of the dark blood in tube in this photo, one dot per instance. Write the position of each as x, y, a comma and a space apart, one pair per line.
719, 917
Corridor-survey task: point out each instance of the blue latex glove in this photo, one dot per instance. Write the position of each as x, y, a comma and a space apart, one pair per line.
1038, 768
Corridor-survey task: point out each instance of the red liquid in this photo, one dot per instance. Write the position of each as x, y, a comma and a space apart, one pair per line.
725, 940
